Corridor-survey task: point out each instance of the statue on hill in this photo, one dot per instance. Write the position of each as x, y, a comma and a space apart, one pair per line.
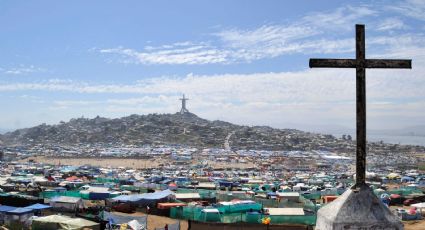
184, 110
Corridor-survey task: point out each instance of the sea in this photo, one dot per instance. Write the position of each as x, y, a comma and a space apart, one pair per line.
393, 139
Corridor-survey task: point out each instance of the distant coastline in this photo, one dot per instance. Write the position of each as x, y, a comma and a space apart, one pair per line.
392, 139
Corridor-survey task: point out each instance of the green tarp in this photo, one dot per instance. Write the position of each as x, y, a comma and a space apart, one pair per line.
50, 194
195, 213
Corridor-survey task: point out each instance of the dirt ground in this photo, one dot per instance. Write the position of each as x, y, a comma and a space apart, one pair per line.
127, 163
414, 225
100, 162
160, 221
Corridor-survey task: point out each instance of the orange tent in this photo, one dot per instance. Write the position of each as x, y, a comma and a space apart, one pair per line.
170, 205
72, 178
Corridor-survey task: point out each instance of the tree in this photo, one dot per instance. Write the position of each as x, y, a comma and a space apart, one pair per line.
349, 138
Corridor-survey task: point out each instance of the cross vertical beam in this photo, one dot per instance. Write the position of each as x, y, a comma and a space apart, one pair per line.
360, 106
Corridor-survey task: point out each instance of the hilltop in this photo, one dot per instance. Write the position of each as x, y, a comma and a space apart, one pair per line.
183, 129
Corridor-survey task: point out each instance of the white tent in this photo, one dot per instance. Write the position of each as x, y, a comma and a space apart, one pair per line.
62, 222
420, 206
66, 203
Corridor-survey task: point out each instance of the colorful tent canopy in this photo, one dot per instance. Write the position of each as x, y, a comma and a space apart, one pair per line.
53, 222
115, 218
144, 196
65, 199
18, 211
5, 208
38, 206
170, 205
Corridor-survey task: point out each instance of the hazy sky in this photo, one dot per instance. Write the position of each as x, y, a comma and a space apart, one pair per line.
240, 61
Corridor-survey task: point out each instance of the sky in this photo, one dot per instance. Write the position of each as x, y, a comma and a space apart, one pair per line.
245, 62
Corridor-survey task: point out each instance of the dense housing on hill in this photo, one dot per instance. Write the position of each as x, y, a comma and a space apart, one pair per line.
183, 129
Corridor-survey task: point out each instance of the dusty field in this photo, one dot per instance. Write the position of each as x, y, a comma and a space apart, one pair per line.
101, 162
127, 163
230, 165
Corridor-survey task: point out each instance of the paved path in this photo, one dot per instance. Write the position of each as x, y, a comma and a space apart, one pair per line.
226, 141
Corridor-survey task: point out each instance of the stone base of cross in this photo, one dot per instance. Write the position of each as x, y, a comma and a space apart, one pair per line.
359, 208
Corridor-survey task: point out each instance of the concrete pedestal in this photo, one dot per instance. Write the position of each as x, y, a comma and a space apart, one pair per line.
357, 209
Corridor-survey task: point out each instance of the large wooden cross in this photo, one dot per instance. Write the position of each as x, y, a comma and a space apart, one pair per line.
361, 63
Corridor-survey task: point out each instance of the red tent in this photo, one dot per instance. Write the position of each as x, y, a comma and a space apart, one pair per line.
394, 196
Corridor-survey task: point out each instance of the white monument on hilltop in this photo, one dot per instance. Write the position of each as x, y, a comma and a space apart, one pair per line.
183, 110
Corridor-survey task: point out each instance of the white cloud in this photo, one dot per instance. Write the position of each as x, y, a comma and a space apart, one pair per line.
182, 53
31, 98
410, 8
315, 33
316, 95
271, 35
342, 18
22, 70
236, 46
289, 87
391, 24
273, 41
145, 100
70, 103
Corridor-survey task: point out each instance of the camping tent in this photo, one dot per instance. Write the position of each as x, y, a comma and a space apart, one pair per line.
188, 196
114, 218
210, 215
54, 222
420, 206
3, 210
18, 215
406, 179
145, 199
66, 203
38, 208
393, 176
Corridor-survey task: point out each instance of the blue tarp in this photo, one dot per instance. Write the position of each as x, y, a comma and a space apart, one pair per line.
225, 183
121, 219
68, 168
38, 206
5, 208
19, 211
144, 196
59, 189
407, 178
146, 199
98, 196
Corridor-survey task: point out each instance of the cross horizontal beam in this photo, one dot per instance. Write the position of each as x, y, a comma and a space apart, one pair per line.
368, 63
